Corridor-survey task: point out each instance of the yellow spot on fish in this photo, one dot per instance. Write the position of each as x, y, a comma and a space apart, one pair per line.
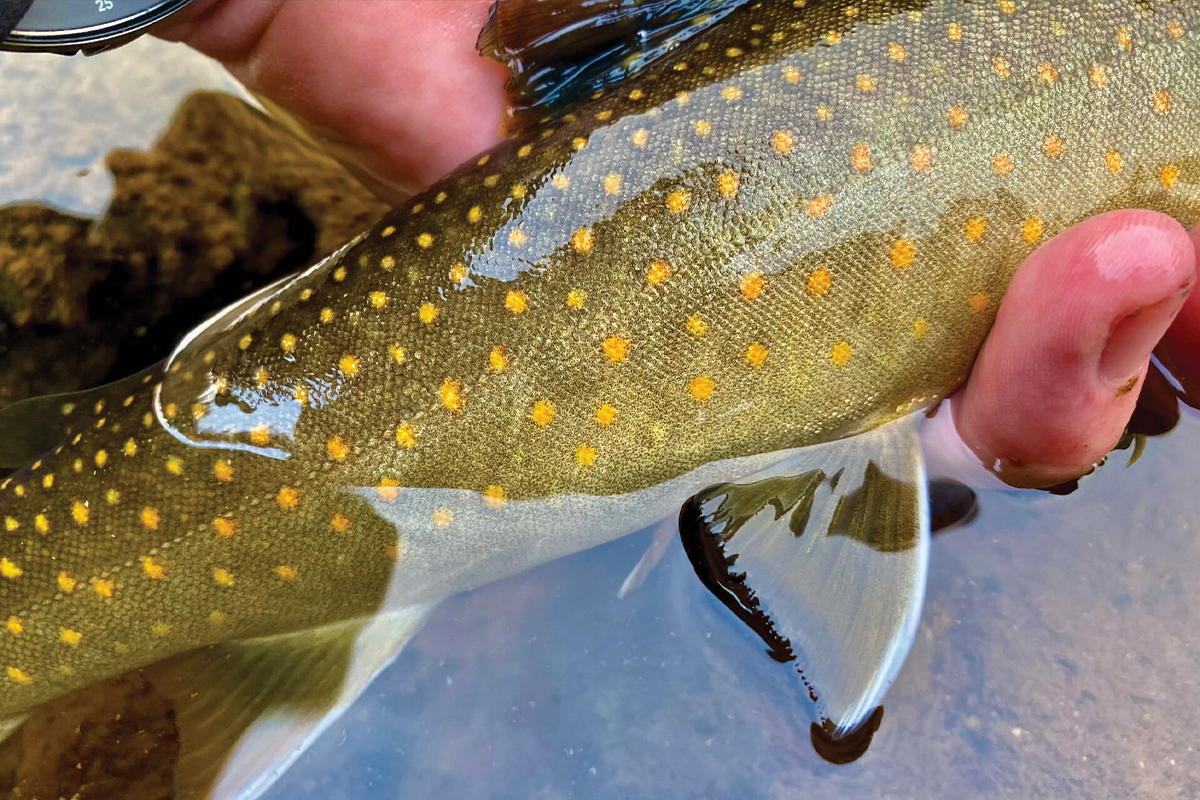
701, 387
1003, 164
217, 618
101, 458
903, 252
112, 496
1001, 67
154, 570
1047, 72
67, 582
605, 415
425, 241
920, 328
494, 496
378, 299
288, 498
262, 377
1124, 38
860, 157
17, 676
727, 184
1163, 102
756, 355
1098, 76
696, 325
458, 273
10, 570
10, 524
865, 83
223, 576
442, 517
339, 274
222, 471
897, 53
160, 629
658, 272
583, 241
561, 181
1168, 175
1054, 146
396, 353
1008, 6
260, 435
225, 527
958, 116
474, 214
613, 183
340, 523
41, 524
543, 413
79, 512
388, 489
1031, 231
336, 448
48, 480
327, 315
820, 281
451, 395
525, 150
149, 518
1114, 161
640, 137
636, 94
498, 359
245, 341
975, 228
922, 158
14, 626
783, 141
516, 302
518, 190
428, 313
678, 201
731, 93
979, 302
791, 74
585, 455
840, 354
751, 285
287, 574
616, 348
819, 206
174, 465
103, 587
954, 32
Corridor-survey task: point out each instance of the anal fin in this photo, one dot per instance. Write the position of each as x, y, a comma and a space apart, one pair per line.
825, 556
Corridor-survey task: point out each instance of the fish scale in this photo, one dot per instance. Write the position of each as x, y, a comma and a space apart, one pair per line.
795, 227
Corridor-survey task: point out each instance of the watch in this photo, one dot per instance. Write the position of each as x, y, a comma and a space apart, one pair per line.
79, 26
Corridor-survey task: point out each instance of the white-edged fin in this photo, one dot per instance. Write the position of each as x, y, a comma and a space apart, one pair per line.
825, 556
664, 534
246, 710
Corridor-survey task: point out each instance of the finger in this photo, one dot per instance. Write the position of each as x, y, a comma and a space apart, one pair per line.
1057, 378
398, 82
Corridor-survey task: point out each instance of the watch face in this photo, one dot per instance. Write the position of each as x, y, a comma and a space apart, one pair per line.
68, 26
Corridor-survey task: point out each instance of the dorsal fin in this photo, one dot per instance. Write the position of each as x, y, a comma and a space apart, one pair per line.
561, 50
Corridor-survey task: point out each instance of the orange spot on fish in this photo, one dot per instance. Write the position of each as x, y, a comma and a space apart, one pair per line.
543, 413
701, 387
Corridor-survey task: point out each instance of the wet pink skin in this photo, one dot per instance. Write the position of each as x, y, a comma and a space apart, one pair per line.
399, 81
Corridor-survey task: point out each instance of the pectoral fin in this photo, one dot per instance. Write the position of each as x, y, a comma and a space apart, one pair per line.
825, 556
247, 710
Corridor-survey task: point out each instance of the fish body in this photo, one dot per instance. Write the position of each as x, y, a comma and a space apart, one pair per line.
792, 229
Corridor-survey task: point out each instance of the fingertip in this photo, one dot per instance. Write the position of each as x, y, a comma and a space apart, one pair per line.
1056, 381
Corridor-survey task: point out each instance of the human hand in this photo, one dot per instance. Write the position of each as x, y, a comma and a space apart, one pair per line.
398, 89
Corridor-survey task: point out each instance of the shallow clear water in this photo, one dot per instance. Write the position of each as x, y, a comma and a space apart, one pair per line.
1059, 654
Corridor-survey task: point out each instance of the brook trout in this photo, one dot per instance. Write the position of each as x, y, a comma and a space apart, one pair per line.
790, 229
